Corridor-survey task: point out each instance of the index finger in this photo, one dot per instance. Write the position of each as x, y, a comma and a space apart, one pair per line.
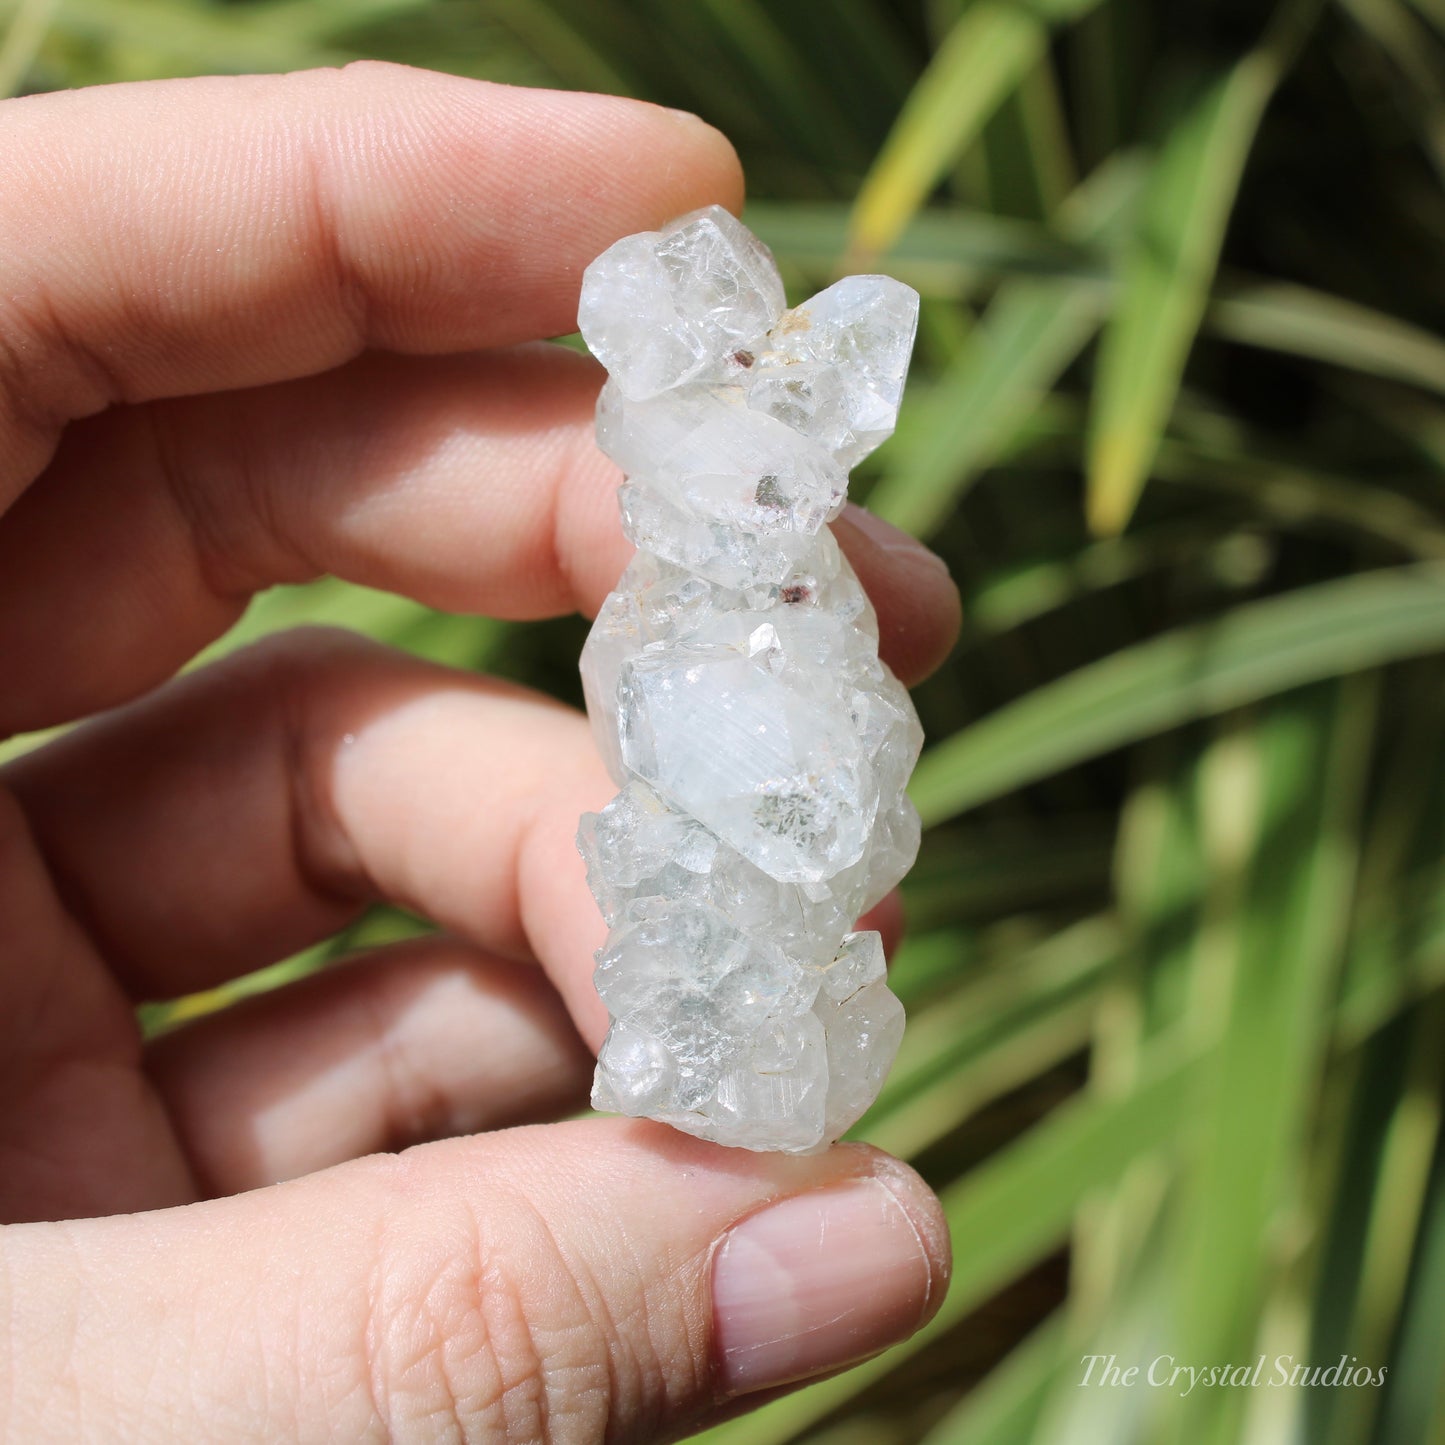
175, 237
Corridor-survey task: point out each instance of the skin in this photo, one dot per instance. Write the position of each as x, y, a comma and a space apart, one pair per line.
253, 330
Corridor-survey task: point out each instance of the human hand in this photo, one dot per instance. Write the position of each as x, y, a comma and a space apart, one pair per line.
240, 324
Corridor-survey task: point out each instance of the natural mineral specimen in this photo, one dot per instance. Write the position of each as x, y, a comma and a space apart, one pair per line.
735, 691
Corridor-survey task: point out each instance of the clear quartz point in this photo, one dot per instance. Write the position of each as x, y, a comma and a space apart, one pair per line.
734, 687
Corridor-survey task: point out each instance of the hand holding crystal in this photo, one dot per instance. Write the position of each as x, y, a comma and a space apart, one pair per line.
255, 330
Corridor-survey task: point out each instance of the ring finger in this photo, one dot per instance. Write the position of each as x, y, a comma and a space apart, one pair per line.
421, 1040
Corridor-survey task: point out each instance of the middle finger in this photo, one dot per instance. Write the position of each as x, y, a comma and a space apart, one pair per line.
471, 483
252, 808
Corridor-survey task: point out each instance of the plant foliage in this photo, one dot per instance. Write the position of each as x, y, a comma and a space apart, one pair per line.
1178, 424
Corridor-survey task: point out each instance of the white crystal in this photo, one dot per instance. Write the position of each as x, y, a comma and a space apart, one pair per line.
836, 365
663, 307
736, 694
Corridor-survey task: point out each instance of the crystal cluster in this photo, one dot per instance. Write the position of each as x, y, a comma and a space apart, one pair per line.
735, 691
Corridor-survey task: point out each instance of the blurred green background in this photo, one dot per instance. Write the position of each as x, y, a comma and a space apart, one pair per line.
1177, 422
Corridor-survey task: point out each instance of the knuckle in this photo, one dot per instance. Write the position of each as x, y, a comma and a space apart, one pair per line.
278, 680
290, 659
305, 682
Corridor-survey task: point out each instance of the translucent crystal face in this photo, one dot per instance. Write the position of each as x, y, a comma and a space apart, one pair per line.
735, 692
662, 308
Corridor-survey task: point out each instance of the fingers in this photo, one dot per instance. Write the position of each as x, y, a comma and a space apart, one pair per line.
79, 1131
602, 1279
183, 236
275, 794
469, 482
278, 792
422, 1040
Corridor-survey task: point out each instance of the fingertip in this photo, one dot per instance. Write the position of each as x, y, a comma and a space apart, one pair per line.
820, 1279
371, 206
689, 164
925, 1213
716, 158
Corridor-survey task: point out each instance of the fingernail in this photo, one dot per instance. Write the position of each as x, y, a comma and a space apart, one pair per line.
888, 538
816, 1282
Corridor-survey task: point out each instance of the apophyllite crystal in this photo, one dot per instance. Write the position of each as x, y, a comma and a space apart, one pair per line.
735, 691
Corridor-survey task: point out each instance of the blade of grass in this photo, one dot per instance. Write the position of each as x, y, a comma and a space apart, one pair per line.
941, 1108
1414, 1405
1257, 650
1308, 323
943, 253
982, 59
871, 63
1047, 127
1432, 10
1026, 149
1004, 1407
1165, 279
1023, 342
946, 252
1401, 1180
1027, 336
1281, 801
1007, 870
320, 19
1304, 495
24, 35
1108, 53
1186, 548
807, 112
1417, 58
188, 38
547, 34
1416, 947
990, 1036
1158, 872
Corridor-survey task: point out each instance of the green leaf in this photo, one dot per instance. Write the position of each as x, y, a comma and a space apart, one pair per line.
1253, 652
1383, 1199
1165, 279
1417, 58
1305, 496
1280, 816
1024, 341
549, 36
1320, 327
989, 872
1004, 1407
188, 38
942, 253
30, 22
1433, 11
990, 1036
982, 59
804, 107
1414, 1405
1030, 332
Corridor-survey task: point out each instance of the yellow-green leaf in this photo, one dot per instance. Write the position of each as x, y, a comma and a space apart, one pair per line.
987, 53
1168, 270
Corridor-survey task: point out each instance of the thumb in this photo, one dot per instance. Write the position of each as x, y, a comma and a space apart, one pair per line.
602, 1279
